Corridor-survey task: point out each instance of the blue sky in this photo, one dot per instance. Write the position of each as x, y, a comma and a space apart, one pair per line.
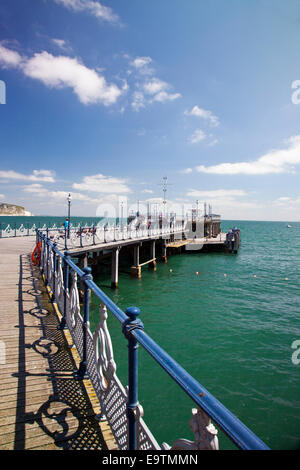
103, 99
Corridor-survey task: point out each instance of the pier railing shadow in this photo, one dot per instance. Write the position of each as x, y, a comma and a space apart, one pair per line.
67, 416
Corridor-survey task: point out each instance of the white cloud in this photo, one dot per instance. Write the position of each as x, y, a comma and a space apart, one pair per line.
157, 88
138, 100
147, 191
217, 193
40, 191
186, 171
102, 184
273, 162
9, 58
163, 96
2, 196
235, 204
142, 65
203, 113
61, 43
155, 85
93, 7
63, 71
213, 143
37, 175
197, 136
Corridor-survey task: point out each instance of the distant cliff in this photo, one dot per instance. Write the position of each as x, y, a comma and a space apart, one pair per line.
12, 209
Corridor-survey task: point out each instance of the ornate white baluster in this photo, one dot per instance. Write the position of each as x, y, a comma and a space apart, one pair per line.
51, 268
74, 309
205, 434
59, 287
103, 349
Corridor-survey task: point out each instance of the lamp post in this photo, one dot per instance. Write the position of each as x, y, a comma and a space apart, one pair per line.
69, 199
122, 205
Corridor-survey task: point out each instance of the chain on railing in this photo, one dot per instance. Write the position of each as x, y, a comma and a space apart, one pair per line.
120, 405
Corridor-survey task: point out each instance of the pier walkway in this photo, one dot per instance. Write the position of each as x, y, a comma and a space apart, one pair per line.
42, 406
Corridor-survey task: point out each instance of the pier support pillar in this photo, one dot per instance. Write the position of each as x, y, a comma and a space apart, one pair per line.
164, 252
136, 269
152, 265
115, 268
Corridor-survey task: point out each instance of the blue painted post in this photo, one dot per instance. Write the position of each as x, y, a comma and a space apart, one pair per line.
66, 234
43, 251
129, 325
81, 373
94, 234
48, 258
54, 274
63, 323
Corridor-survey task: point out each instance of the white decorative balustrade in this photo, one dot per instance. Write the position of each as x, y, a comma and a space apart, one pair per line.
83, 237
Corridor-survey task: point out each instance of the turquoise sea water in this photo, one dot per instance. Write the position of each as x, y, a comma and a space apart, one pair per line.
233, 333
231, 327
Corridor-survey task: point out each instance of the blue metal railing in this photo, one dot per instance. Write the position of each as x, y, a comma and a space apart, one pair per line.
133, 330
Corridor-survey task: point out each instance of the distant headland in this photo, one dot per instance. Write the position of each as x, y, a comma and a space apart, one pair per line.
12, 209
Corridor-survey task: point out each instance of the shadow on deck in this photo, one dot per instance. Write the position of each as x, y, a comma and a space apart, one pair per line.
52, 410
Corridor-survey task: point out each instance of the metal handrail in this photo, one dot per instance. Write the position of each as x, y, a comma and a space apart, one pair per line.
240, 434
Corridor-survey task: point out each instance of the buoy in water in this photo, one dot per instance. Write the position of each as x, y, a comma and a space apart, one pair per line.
254, 275
171, 270
197, 273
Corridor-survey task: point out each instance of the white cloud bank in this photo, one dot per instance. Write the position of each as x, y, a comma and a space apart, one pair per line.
102, 184
273, 162
63, 72
46, 176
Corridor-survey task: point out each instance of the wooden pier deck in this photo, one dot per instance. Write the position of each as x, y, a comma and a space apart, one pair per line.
41, 405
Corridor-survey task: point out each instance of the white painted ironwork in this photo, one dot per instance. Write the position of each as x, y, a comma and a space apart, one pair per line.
104, 355
73, 311
204, 431
59, 285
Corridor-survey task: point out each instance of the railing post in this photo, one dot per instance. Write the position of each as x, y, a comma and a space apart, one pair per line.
129, 325
94, 234
63, 323
15, 229
43, 251
81, 373
54, 274
66, 233
47, 264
